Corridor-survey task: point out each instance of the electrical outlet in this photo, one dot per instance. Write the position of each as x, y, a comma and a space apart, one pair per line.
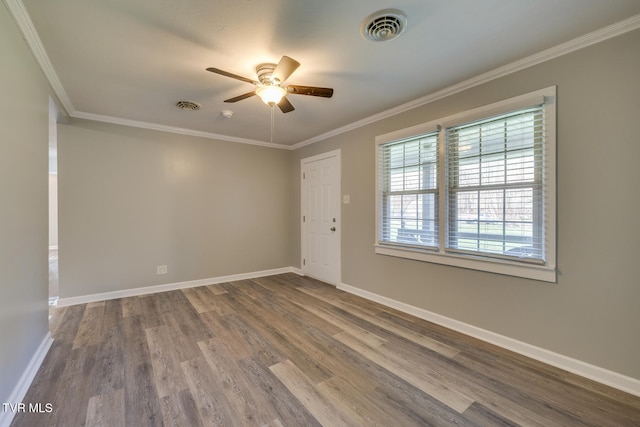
161, 269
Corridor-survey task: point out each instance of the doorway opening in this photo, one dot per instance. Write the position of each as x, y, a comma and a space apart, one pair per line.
54, 287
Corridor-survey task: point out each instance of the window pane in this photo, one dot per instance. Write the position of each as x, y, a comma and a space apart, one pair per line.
491, 205
521, 166
410, 206
521, 130
467, 206
496, 157
469, 172
519, 206
395, 206
428, 225
412, 219
412, 178
493, 137
395, 154
408, 179
468, 141
396, 180
496, 221
492, 169
394, 225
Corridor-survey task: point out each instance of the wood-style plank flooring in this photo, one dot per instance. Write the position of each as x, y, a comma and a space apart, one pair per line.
291, 351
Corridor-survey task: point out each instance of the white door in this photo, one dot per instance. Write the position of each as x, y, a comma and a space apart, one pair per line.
321, 217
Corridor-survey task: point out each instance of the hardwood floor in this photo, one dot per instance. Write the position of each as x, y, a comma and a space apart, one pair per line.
291, 351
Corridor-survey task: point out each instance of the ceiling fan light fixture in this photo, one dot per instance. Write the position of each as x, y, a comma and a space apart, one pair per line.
384, 25
270, 85
271, 94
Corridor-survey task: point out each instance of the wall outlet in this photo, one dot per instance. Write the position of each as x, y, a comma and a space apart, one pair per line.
161, 269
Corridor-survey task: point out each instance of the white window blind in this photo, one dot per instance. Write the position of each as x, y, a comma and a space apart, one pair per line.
476, 189
495, 186
409, 192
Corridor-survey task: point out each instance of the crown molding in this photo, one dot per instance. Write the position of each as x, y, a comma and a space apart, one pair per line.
614, 30
22, 19
176, 130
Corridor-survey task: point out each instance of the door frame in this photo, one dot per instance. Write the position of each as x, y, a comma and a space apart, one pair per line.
337, 199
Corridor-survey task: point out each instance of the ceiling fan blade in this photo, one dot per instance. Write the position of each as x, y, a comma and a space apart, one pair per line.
285, 105
241, 97
233, 76
325, 92
285, 68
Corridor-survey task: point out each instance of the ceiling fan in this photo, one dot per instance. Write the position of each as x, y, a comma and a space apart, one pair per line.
270, 81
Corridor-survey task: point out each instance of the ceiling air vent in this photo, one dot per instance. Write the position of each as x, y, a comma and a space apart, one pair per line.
188, 105
384, 25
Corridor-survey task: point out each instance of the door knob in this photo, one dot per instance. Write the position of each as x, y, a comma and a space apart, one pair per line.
332, 229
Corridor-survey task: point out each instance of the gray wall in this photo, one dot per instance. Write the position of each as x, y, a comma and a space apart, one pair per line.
23, 205
592, 313
133, 199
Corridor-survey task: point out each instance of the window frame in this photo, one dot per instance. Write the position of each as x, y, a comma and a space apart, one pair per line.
387, 193
542, 271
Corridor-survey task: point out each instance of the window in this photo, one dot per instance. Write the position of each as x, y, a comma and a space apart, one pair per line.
475, 190
409, 191
494, 169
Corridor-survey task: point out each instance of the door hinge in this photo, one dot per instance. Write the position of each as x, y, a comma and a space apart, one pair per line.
304, 261
304, 218
304, 175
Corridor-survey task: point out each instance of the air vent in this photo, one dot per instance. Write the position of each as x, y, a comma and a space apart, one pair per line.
188, 105
384, 25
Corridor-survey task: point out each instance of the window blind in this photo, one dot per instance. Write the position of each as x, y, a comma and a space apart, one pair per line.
495, 186
408, 186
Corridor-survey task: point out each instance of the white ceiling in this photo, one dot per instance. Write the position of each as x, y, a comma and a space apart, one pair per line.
130, 61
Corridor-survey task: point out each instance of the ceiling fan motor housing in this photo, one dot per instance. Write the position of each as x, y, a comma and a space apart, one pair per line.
265, 71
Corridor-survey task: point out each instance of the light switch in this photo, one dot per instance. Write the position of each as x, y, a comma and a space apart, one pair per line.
346, 199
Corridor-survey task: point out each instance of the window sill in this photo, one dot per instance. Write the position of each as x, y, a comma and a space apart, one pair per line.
510, 268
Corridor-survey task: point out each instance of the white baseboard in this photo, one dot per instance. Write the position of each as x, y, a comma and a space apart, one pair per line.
83, 299
296, 270
21, 388
578, 367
